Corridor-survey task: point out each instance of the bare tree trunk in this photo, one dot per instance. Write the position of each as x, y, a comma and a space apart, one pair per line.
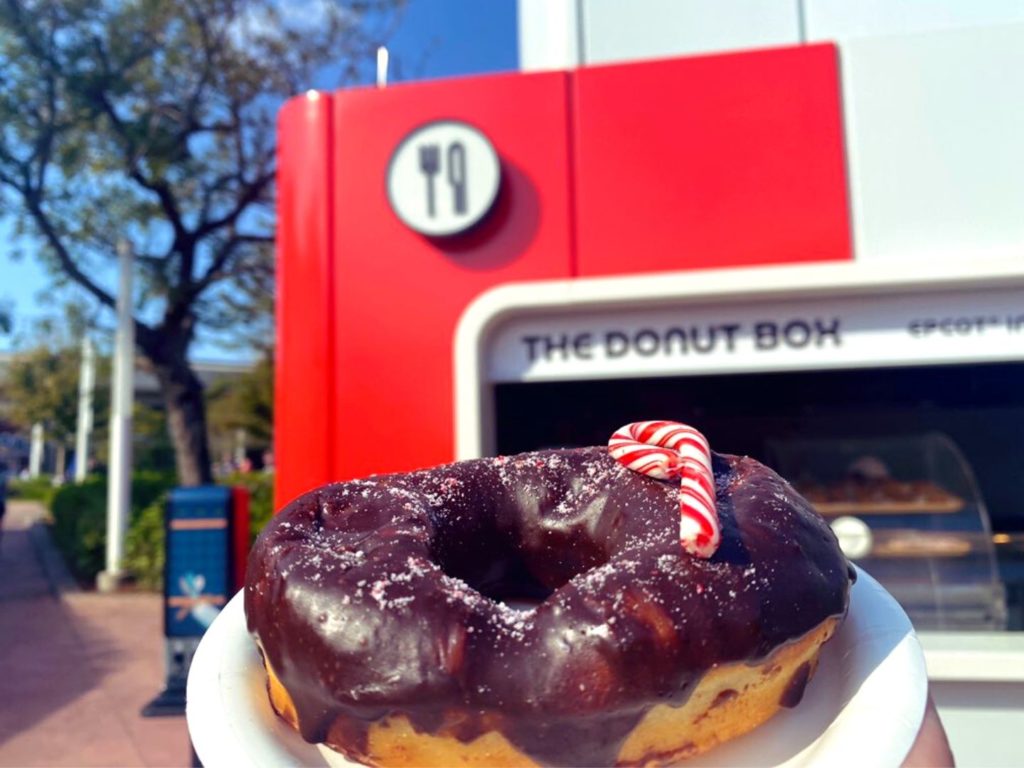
183, 399
186, 422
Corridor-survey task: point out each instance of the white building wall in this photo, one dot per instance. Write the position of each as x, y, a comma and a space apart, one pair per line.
549, 34
847, 19
935, 143
615, 31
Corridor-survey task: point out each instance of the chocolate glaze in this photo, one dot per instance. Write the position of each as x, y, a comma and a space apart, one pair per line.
384, 596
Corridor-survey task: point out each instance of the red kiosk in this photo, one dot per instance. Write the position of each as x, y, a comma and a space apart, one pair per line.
685, 164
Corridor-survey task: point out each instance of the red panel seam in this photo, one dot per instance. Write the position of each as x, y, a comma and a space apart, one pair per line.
844, 141
281, 350
571, 102
331, 335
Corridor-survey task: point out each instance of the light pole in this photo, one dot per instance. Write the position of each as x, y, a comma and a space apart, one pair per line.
35, 450
86, 386
119, 478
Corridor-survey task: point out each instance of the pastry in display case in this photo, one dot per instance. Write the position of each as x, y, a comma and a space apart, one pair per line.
907, 510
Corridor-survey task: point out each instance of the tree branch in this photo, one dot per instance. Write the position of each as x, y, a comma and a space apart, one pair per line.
67, 263
160, 187
249, 195
223, 255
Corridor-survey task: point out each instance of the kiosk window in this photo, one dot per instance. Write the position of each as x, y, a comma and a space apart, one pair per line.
950, 436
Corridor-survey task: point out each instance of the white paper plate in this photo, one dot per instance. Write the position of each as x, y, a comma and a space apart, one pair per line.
863, 707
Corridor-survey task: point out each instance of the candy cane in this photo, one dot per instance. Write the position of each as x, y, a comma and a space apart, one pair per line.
666, 450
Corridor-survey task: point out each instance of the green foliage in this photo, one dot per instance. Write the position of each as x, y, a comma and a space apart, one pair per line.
79, 529
144, 551
80, 518
244, 403
36, 489
41, 385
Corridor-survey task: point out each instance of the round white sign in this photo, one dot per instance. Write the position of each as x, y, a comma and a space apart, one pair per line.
854, 536
443, 178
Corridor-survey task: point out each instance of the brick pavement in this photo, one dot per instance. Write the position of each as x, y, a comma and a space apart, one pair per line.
75, 666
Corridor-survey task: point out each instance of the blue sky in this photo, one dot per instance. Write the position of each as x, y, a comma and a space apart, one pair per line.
435, 38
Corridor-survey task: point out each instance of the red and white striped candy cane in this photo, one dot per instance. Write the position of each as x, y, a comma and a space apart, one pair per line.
666, 450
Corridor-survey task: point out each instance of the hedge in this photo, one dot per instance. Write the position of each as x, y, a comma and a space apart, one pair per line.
80, 523
80, 518
144, 546
36, 489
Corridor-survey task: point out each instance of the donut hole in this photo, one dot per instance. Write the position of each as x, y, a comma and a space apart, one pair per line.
502, 575
512, 583
519, 529
518, 570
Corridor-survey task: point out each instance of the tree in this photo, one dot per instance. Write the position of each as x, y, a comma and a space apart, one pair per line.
153, 120
244, 403
40, 385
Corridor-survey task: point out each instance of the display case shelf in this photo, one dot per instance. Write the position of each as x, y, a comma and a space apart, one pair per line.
907, 509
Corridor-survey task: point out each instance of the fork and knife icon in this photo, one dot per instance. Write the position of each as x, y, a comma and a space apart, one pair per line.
455, 165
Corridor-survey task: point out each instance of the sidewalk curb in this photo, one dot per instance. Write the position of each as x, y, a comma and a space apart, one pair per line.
58, 576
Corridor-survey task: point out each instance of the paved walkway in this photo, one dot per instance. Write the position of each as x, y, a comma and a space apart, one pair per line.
76, 667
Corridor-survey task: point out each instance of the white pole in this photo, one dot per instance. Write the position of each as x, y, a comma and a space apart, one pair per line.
35, 451
382, 66
86, 385
119, 479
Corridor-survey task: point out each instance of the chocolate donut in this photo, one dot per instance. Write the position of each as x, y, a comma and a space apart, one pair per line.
382, 611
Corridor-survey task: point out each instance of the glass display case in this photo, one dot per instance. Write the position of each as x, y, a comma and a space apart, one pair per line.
908, 511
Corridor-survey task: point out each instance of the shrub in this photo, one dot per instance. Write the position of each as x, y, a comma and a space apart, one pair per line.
79, 526
144, 552
80, 518
36, 489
